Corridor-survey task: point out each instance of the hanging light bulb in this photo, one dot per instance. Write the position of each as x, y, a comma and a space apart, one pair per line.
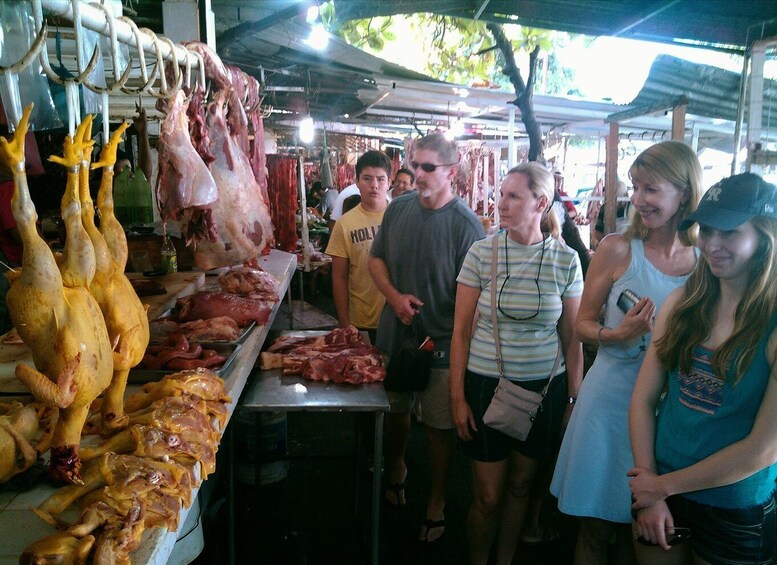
319, 37
306, 130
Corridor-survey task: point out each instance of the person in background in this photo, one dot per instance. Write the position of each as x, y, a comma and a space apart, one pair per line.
705, 451
327, 201
357, 300
566, 212
313, 199
414, 261
539, 283
649, 260
403, 182
621, 215
351, 202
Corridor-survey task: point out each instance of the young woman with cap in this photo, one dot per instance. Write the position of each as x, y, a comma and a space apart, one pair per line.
706, 461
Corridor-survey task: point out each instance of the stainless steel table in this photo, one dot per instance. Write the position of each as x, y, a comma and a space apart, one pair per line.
268, 391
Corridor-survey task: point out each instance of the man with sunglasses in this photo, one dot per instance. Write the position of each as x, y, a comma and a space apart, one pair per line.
415, 259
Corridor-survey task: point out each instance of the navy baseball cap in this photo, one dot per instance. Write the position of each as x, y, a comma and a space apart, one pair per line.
733, 201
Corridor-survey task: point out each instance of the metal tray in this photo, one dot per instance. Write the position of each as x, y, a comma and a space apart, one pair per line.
230, 350
242, 336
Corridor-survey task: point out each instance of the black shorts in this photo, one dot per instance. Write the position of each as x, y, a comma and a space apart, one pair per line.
490, 445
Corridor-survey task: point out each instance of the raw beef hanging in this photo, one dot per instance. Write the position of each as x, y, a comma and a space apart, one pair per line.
240, 215
282, 191
256, 138
183, 182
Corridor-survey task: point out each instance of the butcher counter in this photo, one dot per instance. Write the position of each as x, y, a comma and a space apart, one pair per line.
19, 526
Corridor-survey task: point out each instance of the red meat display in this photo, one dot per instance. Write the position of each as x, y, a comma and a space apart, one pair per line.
282, 191
341, 356
204, 305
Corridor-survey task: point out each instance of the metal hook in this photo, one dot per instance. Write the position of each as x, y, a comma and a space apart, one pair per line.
37, 11
119, 81
147, 81
176, 68
201, 62
83, 74
35, 48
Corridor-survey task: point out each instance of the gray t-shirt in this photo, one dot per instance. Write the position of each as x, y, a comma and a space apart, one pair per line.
423, 251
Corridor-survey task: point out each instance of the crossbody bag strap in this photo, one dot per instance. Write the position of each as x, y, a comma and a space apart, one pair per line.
495, 325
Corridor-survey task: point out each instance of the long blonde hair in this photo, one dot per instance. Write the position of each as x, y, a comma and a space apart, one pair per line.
694, 315
540, 181
677, 164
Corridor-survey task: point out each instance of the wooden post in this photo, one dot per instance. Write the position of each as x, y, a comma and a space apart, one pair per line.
678, 122
611, 179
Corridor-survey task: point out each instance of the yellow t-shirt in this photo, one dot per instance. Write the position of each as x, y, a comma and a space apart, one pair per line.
352, 239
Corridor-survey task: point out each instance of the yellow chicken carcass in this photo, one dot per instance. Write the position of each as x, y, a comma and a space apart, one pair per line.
112, 230
18, 427
125, 316
60, 548
53, 311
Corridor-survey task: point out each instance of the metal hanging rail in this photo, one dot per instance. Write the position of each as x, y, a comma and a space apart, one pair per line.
94, 19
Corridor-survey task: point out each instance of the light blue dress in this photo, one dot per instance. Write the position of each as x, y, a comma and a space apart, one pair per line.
590, 477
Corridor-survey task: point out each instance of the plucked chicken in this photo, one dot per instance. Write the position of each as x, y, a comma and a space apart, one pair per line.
53, 311
60, 548
125, 316
18, 427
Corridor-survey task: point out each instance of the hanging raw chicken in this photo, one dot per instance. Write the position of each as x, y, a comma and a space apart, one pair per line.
53, 311
125, 316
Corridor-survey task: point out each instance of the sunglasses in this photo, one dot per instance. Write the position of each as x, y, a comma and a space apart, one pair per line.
429, 167
536, 283
673, 537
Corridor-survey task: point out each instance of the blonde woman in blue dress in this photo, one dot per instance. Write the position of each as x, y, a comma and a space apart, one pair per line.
650, 259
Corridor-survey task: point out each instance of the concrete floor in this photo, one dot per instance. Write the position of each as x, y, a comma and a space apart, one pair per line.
308, 517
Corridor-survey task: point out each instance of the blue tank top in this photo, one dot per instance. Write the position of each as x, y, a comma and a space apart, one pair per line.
701, 414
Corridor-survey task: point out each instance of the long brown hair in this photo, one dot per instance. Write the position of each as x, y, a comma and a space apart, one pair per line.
677, 164
694, 313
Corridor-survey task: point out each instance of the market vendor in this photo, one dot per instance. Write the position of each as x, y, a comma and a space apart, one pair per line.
357, 300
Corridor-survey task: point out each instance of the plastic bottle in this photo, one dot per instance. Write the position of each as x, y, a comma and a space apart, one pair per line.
169, 256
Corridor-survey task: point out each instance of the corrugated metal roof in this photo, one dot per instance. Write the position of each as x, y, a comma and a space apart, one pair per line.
712, 92
727, 22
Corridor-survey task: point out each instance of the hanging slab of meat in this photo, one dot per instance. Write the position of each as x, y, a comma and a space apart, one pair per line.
215, 71
254, 283
204, 305
282, 191
256, 136
184, 182
198, 133
242, 219
62, 325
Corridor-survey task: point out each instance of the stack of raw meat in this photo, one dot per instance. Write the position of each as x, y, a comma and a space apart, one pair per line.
341, 356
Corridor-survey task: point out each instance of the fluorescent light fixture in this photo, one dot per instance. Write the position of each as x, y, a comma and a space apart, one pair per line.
306, 130
319, 37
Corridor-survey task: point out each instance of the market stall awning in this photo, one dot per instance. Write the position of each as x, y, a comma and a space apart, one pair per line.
723, 22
